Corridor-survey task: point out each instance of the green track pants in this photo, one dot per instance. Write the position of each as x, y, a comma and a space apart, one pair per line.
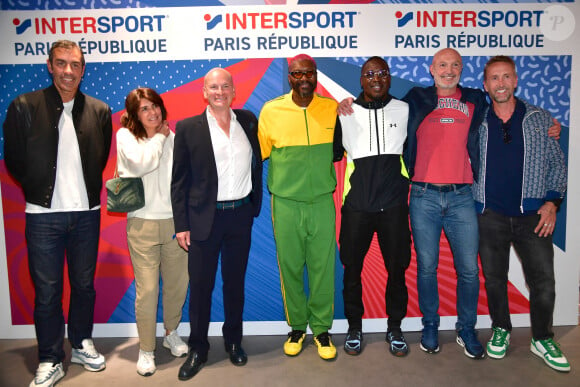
305, 237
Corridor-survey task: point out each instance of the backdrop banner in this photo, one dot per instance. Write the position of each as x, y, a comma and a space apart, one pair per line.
170, 45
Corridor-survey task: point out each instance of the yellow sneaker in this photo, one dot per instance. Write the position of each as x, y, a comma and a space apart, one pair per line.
293, 346
326, 349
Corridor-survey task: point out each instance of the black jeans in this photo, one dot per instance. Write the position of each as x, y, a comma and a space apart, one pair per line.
49, 238
356, 233
496, 234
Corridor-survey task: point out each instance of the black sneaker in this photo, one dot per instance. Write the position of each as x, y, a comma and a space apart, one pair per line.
397, 344
353, 342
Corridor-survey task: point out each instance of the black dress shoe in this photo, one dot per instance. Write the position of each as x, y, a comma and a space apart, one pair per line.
238, 356
191, 366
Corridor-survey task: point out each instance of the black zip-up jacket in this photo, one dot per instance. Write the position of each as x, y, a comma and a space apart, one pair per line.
31, 142
422, 101
377, 182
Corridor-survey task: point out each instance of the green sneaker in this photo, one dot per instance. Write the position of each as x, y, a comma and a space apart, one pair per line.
551, 353
498, 344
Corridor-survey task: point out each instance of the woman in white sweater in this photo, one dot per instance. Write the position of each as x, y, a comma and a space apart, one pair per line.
145, 150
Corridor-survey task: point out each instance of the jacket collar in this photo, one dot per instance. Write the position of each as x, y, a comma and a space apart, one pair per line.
372, 104
54, 95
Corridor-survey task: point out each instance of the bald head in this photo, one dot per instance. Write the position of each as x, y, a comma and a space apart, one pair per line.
218, 89
446, 70
446, 52
300, 57
214, 72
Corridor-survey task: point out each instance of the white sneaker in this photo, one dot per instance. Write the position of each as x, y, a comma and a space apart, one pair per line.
47, 375
146, 363
173, 342
551, 353
88, 357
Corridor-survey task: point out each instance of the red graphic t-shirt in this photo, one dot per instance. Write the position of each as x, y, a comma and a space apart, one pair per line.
442, 156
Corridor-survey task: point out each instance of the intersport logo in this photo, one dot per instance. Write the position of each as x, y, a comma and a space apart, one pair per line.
469, 19
89, 24
281, 20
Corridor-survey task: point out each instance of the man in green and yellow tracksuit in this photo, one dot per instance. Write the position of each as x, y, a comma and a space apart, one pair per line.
296, 132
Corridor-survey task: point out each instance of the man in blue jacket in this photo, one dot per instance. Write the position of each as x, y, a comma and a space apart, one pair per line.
442, 159
521, 182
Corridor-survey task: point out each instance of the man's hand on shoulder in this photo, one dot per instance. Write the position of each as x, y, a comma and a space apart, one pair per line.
554, 130
345, 107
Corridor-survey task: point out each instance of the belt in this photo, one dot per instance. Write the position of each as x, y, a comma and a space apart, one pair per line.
232, 204
442, 188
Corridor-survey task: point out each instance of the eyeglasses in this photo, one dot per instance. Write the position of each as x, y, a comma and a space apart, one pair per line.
505, 128
299, 74
370, 75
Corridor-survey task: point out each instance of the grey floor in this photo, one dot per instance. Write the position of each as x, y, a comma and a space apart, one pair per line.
268, 366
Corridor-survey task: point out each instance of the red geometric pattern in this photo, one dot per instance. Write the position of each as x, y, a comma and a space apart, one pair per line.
114, 271
374, 275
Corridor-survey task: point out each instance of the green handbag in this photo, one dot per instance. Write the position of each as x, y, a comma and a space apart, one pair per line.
124, 194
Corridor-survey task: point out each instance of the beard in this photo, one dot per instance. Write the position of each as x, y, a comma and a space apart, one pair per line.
306, 93
305, 89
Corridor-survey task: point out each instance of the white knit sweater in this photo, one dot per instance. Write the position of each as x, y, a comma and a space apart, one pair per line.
151, 159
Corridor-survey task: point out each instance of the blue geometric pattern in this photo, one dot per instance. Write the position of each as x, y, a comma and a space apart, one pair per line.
108, 81
102, 4
551, 94
111, 82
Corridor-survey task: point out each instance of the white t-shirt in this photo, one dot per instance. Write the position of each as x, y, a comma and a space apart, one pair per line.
70, 192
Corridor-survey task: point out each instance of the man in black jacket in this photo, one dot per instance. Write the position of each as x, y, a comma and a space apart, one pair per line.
373, 138
56, 145
216, 191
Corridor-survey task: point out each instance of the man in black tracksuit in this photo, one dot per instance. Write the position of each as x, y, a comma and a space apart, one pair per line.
376, 192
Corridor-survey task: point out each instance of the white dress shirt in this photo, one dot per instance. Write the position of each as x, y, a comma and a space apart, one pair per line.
233, 156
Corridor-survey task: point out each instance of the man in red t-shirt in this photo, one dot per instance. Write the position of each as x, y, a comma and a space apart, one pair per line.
442, 157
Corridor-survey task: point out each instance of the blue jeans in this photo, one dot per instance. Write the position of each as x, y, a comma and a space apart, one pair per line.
432, 210
497, 234
49, 237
